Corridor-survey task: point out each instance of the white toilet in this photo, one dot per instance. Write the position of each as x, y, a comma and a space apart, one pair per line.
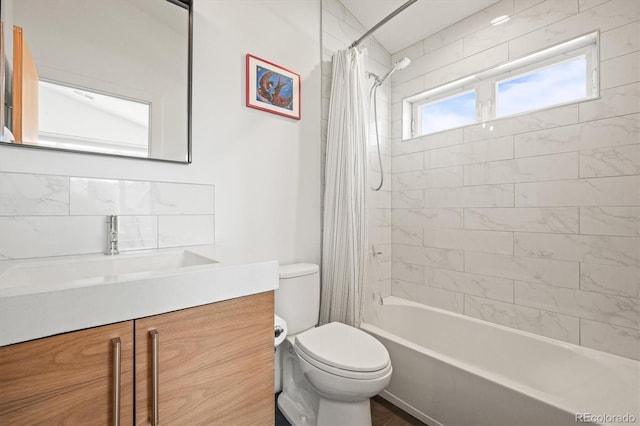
328, 372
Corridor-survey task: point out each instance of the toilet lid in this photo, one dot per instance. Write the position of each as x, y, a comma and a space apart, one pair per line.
343, 347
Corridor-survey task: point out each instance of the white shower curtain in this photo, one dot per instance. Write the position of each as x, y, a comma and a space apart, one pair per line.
344, 241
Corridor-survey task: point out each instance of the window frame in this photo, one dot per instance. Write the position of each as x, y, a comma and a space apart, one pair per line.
485, 83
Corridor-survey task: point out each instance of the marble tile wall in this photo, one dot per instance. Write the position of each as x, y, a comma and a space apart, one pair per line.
532, 222
339, 29
47, 215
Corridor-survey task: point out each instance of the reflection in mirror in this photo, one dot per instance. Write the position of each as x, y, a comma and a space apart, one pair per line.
76, 118
109, 77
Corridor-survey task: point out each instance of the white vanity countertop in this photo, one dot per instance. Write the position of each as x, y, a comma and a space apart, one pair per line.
31, 308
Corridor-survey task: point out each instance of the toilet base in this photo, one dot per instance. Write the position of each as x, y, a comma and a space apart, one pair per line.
331, 413
299, 412
302, 405
298, 402
297, 409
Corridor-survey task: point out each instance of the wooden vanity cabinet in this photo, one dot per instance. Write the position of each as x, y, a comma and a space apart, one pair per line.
215, 364
215, 367
67, 379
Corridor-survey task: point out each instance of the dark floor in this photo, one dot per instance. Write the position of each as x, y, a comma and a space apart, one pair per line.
280, 419
383, 413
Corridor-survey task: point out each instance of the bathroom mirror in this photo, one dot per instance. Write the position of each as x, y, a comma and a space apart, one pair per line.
102, 77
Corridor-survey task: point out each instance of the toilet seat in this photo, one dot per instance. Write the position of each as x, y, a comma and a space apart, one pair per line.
344, 351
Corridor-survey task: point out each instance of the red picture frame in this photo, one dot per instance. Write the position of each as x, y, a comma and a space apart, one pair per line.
272, 88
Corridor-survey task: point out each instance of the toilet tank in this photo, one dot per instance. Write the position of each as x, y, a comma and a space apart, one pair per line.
298, 296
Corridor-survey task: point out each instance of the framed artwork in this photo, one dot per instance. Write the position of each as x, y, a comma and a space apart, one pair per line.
272, 88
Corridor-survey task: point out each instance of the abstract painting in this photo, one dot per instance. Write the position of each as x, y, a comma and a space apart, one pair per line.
272, 88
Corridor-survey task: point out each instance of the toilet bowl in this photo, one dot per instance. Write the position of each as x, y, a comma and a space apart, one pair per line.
342, 362
328, 372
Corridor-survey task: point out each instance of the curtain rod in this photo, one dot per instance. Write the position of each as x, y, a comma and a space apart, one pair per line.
384, 21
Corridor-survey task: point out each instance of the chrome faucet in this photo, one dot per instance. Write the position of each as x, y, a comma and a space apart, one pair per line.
112, 235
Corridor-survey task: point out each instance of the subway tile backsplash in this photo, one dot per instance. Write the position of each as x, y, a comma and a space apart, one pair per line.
46, 215
33, 195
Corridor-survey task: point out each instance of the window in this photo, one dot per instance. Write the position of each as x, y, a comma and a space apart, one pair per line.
72, 117
554, 85
454, 111
559, 75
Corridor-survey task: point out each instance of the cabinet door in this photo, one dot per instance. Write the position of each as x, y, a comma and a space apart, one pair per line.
215, 364
67, 379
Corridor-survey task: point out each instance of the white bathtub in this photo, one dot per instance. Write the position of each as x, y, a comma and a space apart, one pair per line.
449, 369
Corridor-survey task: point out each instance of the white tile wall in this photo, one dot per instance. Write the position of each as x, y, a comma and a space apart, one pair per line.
609, 15
608, 191
610, 338
470, 196
613, 102
468, 25
33, 195
587, 4
427, 256
532, 221
464, 239
469, 153
619, 41
598, 134
601, 307
41, 236
605, 250
45, 215
620, 70
616, 161
467, 66
423, 143
523, 123
554, 219
427, 218
623, 221
470, 284
531, 169
609, 279
422, 179
520, 5
407, 235
544, 271
550, 324
433, 296
528, 20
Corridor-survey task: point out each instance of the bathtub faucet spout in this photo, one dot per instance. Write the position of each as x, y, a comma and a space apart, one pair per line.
377, 297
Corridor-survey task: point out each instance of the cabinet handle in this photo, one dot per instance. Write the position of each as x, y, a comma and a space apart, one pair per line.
155, 415
116, 380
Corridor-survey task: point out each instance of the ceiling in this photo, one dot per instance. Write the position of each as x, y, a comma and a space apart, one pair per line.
420, 20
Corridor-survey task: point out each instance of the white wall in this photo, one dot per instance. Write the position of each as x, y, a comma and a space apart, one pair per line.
266, 168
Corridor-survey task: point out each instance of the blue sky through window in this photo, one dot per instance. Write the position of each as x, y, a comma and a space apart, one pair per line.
561, 83
449, 113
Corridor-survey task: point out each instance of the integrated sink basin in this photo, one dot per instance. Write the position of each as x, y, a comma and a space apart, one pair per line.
43, 297
94, 269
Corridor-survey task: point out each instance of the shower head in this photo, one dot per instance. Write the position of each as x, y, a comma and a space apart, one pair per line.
399, 65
